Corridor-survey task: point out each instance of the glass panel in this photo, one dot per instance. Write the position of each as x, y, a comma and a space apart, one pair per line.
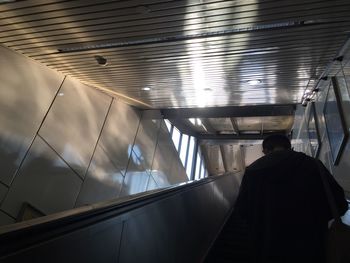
198, 165
183, 151
176, 138
202, 175
168, 124
190, 157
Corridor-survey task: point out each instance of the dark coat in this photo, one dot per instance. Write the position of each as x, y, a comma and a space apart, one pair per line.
284, 202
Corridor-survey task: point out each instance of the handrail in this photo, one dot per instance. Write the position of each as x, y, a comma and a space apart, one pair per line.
23, 234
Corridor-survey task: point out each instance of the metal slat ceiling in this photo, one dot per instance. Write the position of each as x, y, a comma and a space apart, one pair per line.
189, 53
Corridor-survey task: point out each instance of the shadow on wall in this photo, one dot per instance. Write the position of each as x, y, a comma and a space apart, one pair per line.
45, 182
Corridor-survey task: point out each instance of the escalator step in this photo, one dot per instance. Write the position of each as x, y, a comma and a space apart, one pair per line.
232, 244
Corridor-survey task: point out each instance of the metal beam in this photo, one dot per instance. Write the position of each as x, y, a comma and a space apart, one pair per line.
230, 111
234, 125
208, 126
232, 137
183, 127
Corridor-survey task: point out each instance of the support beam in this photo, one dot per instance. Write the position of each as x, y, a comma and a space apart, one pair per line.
230, 111
234, 125
208, 126
233, 137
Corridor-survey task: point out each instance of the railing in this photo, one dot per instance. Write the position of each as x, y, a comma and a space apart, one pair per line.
176, 224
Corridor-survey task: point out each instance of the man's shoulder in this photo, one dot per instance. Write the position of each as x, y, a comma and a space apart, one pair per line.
283, 157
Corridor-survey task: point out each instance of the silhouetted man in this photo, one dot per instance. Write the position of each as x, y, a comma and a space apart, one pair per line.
283, 200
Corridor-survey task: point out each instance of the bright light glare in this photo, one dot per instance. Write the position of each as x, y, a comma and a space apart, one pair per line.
146, 88
196, 121
254, 82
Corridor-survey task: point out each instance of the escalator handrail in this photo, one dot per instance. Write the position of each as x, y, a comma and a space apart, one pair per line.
18, 236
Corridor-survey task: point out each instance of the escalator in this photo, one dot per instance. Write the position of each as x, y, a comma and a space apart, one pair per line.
232, 244
176, 224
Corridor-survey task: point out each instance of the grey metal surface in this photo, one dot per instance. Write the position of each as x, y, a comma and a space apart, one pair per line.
229, 111
232, 159
3, 192
166, 161
136, 177
74, 123
213, 158
5, 219
268, 123
151, 184
119, 133
103, 180
26, 92
146, 141
45, 181
180, 229
177, 227
190, 53
73, 248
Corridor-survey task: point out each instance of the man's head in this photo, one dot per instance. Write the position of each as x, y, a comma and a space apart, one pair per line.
277, 142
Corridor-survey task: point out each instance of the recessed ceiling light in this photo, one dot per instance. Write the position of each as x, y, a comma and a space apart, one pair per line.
60, 94
254, 82
146, 88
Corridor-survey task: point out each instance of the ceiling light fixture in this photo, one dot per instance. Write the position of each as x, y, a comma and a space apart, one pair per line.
101, 60
254, 82
146, 88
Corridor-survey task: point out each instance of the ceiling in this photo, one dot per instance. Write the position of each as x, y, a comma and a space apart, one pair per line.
189, 54
228, 72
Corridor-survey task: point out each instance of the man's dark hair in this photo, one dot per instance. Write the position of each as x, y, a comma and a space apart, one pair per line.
276, 141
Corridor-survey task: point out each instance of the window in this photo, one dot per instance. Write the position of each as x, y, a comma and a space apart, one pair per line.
185, 145
198, 166
176, 138
190, 157
202, 173
168, 125
183, 150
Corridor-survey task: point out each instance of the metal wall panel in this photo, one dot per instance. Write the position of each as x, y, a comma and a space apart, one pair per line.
3, 191
151, 184
26, 92
215, 164
119, 133
175, 227
45, 181
102, 237
167, 167
136, 177
252, 153
146, 141
5, 219
103, 180
179, 228
74, 123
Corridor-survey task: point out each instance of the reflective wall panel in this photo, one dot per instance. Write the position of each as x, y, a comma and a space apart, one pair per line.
167, 168
146, 141
340, 170
118, 135
90, 147
26, 92
5, 219
45, 181
3, 191
74, 123
103, 180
